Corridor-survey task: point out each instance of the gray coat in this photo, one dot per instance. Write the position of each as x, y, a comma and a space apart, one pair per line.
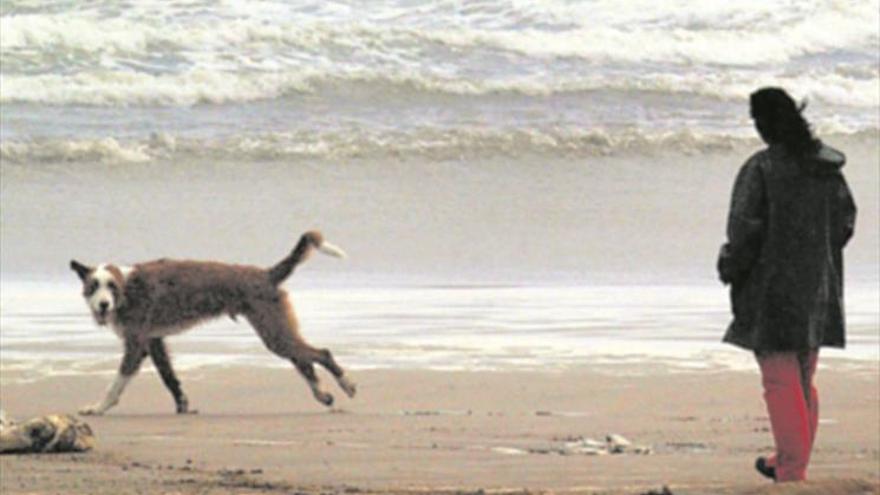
790, 218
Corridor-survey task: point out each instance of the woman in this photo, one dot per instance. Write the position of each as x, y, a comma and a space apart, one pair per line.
791, 214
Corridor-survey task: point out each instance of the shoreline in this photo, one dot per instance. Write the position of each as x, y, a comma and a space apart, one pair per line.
45, 330
740, 361
259, 431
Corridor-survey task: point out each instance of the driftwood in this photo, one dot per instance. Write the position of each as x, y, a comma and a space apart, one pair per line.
51, 433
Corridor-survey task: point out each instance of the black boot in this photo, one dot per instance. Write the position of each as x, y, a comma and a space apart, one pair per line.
762, 467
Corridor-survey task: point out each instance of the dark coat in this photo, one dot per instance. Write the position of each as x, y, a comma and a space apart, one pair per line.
790, 218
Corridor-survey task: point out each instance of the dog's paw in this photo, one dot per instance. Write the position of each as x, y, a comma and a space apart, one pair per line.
183, 406
325, 398
93, 410
348, 386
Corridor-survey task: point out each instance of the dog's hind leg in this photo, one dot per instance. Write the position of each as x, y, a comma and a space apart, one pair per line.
321, 356
159, 355
307, 370
325, 359
277, 327
131, 363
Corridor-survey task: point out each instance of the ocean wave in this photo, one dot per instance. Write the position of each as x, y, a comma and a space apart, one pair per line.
739, 45
159, 54
634, 32
847, 86
435, 144
86, 150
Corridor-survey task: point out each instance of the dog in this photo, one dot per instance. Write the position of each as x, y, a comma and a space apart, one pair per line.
147, 302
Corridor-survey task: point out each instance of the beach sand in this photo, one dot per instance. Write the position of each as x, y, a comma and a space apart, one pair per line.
259, 431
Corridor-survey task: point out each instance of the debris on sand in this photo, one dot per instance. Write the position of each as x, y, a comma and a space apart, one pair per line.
585, 446
614, 444
51, 433
617, 444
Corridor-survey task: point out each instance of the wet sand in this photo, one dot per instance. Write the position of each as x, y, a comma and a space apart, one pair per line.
259, 431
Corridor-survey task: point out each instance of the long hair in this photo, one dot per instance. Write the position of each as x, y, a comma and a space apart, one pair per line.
780, 120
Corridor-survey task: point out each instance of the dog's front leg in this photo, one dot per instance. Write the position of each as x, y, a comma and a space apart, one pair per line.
135, 353
160, 357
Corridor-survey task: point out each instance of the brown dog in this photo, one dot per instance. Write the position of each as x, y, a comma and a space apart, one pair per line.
149, 301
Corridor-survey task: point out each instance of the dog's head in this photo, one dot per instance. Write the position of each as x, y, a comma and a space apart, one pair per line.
102, 289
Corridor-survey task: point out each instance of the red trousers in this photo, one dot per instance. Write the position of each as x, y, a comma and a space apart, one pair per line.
793, 406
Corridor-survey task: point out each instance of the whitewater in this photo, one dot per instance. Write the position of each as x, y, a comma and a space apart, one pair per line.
338, 79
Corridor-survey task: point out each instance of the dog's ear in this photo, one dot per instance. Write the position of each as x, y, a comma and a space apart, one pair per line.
80, 269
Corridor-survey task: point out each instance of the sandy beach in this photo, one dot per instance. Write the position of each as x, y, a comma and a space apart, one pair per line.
258, 431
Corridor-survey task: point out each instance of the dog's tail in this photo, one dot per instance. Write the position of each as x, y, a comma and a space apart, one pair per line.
310, 240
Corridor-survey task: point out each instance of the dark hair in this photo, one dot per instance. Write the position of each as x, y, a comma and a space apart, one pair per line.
779, 120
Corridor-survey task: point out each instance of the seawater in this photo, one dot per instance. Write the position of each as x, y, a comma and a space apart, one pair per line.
263, 80
622, 329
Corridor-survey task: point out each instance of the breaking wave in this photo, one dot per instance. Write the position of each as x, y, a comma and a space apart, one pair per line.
429, 143
440, 79
154, 53
640, 31
111, 88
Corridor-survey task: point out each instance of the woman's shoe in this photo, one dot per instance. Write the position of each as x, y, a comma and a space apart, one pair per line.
766, 470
